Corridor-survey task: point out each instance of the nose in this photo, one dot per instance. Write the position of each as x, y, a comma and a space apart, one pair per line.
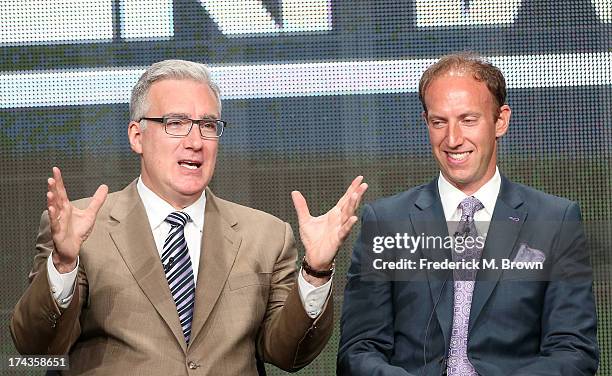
454, 136
193, 139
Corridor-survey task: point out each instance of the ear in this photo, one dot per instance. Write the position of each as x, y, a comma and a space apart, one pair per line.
503, 121
424, 116
135, 136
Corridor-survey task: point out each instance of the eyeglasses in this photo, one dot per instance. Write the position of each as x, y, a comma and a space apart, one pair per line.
209, 128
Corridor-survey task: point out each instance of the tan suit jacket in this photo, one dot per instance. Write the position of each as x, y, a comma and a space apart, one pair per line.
123, 320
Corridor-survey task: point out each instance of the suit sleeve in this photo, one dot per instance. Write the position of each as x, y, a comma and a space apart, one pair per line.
569, 324
38, 325
367, 335
289, 338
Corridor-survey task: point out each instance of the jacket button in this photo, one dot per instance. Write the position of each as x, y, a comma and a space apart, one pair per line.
192, 365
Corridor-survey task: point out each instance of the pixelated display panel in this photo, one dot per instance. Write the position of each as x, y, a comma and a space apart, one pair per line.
316, 92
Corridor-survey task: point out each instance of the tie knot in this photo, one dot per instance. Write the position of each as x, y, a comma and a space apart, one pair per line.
469, 206
178, 218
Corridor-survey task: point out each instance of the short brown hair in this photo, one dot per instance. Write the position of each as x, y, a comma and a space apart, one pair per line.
469, 62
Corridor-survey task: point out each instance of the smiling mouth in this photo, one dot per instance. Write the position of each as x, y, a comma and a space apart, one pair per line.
458, 156
192, 165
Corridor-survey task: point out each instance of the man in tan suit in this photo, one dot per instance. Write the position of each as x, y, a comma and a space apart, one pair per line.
163, 277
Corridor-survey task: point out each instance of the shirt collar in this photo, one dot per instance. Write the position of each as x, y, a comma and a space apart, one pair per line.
451, 196
157, 209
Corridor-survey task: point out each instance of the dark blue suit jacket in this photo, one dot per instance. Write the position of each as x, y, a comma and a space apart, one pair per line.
521, 322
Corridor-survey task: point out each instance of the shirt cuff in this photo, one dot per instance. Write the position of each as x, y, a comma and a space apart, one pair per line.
62, 285
313, 298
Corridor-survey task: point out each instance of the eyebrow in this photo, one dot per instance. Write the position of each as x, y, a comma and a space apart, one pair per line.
431, 116
463, 115
477, 114
176, 114
186, 116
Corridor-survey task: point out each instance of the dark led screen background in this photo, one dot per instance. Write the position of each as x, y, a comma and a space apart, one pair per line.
316, 92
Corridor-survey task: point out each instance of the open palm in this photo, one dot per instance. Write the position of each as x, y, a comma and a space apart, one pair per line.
70, 226
322, 236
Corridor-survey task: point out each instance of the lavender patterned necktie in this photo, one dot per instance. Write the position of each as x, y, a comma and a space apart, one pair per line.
464, 280
179, 272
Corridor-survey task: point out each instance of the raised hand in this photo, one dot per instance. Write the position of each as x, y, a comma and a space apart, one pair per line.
70, 226
322, 236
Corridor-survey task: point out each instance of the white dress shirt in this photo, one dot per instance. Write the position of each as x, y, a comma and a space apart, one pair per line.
451, 197
62, 285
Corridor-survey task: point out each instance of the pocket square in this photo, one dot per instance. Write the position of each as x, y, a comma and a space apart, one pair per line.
526, 254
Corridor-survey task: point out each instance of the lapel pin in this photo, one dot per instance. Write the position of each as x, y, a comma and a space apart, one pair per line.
515, 219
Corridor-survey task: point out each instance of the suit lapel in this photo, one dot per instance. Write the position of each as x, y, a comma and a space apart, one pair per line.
133, 238
428, 218
506, 223
220, 244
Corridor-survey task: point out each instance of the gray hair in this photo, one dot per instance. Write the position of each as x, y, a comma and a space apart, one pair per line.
167, 69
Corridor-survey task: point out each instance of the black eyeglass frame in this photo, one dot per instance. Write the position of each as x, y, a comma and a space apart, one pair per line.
221, 124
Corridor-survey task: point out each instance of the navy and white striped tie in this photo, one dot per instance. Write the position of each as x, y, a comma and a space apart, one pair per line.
179, 272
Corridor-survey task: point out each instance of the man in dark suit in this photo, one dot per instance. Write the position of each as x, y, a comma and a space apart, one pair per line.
515, 300
165, 278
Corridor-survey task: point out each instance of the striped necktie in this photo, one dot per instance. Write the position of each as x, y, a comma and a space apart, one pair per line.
179, 272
